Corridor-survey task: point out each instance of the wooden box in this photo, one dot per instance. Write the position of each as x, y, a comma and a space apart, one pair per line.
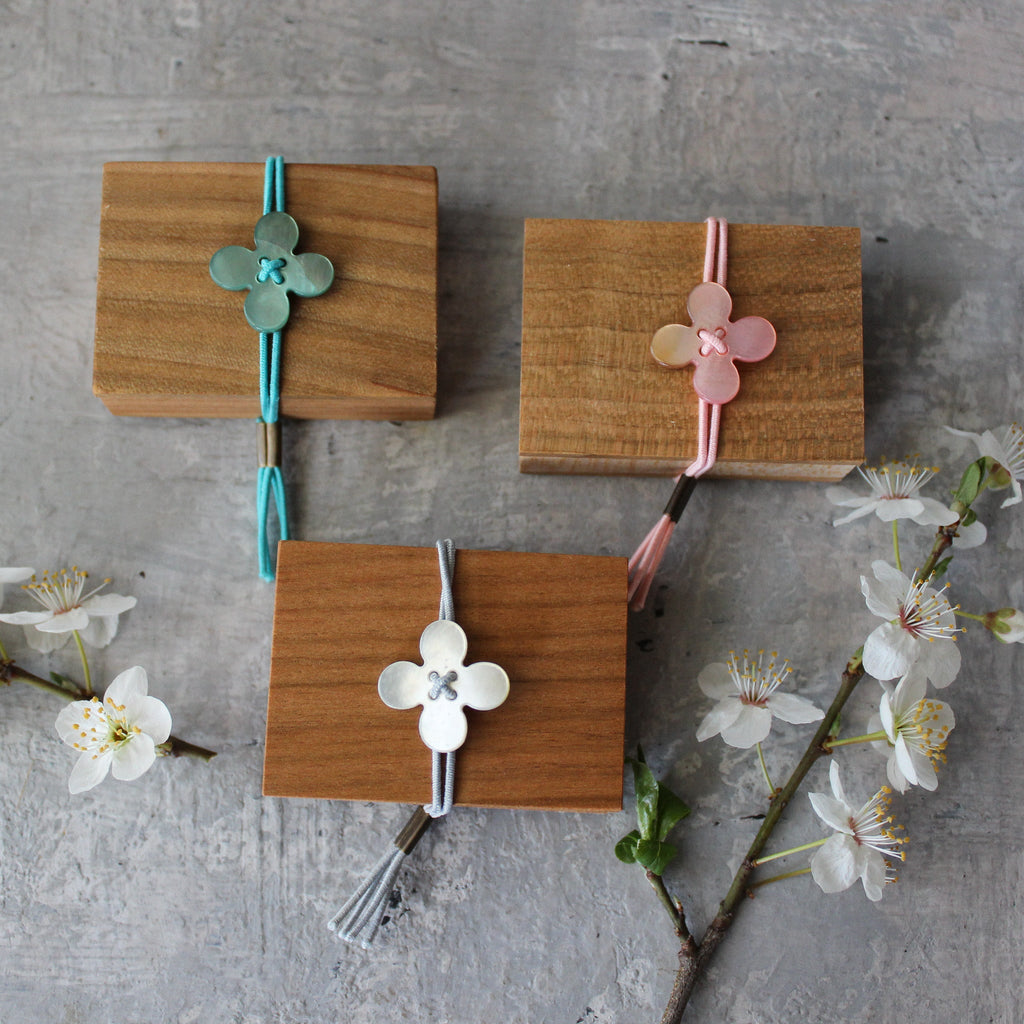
595, 401
555, 623
170, 342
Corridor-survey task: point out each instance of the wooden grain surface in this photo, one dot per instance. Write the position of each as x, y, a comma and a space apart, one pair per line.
170, 342
555, 623
593, 400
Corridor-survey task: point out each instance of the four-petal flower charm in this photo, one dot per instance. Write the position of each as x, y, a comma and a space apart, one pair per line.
713, 343
271, 271
443, 685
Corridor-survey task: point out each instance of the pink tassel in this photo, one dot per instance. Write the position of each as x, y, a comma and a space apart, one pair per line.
648, 556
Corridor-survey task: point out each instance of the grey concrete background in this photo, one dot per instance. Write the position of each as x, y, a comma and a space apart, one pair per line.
187, 897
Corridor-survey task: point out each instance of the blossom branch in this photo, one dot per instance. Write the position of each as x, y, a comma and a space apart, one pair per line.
691, 965
674, 907
694, 957
12, 673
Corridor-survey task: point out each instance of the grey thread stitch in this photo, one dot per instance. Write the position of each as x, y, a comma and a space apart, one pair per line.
442, 684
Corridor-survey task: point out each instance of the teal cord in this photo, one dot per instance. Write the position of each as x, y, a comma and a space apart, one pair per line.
269, 481
270, 376
273, 185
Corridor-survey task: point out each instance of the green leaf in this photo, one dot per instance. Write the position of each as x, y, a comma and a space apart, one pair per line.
969, 518
646, 797
671, 810
655, 855
625, 848
941, 568
970, 482
658, 809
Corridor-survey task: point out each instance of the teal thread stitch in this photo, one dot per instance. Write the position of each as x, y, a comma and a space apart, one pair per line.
270, 270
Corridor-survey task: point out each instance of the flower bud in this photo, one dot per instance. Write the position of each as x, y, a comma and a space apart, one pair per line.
1007, 625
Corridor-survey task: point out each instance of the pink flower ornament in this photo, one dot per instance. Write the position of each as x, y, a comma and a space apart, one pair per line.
444, 685
713, 343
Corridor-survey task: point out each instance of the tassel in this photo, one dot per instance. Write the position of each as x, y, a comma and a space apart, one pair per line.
359, 919
647, 557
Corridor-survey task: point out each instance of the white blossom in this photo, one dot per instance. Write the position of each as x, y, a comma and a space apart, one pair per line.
1005, 446
1007, 625
921, 628
860, 844
916, 727
747, 699
119, 734
894, 495
66, 610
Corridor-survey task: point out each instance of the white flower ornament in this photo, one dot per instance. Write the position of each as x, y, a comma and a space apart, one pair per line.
119, 734
444, 685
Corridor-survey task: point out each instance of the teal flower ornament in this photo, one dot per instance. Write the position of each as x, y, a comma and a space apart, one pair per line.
271, 271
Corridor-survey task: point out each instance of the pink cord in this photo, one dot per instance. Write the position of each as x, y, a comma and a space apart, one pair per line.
710, 249
648, 556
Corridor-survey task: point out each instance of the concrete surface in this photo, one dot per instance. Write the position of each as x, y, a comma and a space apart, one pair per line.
186, 897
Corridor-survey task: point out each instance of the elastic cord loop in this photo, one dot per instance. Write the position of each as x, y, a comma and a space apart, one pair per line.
648, 556
269, 481
446, 567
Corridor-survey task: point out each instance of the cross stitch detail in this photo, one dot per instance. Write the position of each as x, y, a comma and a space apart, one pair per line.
443, 647
442, 684
713, 343
270, 271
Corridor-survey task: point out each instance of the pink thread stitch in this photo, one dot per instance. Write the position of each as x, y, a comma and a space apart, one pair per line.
712, 344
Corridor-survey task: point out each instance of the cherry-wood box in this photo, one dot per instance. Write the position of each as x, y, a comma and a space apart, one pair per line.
555, 623
170, 342
594, 400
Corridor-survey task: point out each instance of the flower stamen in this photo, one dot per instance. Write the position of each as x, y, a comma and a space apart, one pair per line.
756, 681
896, 480
60, 592
925, 613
